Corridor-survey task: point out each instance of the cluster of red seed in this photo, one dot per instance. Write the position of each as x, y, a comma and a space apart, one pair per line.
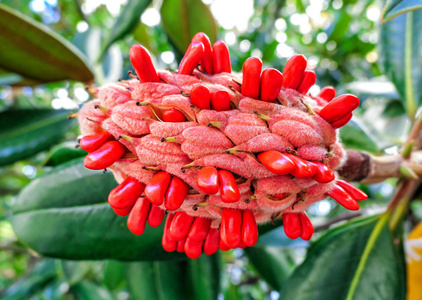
217, 151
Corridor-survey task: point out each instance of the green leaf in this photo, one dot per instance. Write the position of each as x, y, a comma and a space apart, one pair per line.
354, 137
25, 132
65, 214
274, 264
63, 153
114, 274
127, 21
401, 56
36, 52
181, 20
394, 8
190, 279
88, 290
357, 260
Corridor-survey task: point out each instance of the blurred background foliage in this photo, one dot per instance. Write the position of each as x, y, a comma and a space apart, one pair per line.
85, 43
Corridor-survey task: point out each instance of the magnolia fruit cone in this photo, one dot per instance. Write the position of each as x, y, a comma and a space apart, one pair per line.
222, 152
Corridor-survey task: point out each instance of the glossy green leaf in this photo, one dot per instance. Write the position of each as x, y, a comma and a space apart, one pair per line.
127, 21
354, 137
88, 290
274, 264
394, 8
114, 274
189, 279
63, 153
401, 56
23, 133
181, 20
65, 214
357, 260
36, 52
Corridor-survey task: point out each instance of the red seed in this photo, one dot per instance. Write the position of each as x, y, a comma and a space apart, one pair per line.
353, 191
276, 162
307, 227
193, 249
138, 216
220, 101
142, 63
181, 246
169, 244
249, 228
327, 93
156, 188
126, 193
223, 246
343, 121
292, 225
271, 81
221, 58
176, 193
155, 216
302, 168
122, 212
231, 225
207, 180
92, 142
199, 229
323, 173
340, 107
251, 77
200, 96
229, 191
308, 80
212, 242
192, 57
180, 225
206, 62
293, 71
343, 198
105, 156
173, 115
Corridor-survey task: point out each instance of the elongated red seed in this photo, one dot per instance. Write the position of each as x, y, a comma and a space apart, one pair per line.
142, 63
220, 101
181, 246
221, 58
199, 229
339, 107
293, 71
327, 93
155, 216
353, 191
323, 173
223, 247
308, 80
173, 115
251, 77
122, 212
302, 168
207, 180
92, 142
276, 162
212, 242
343, 121
307, 227
271, 82
156, 188
126, 193
292, 225
180, 225
231, 225
193, 249
249, 228
176, 193
190, 61
138, 216
200, 96
169, 244
206, 62
343, 198
229, 191
105, 156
